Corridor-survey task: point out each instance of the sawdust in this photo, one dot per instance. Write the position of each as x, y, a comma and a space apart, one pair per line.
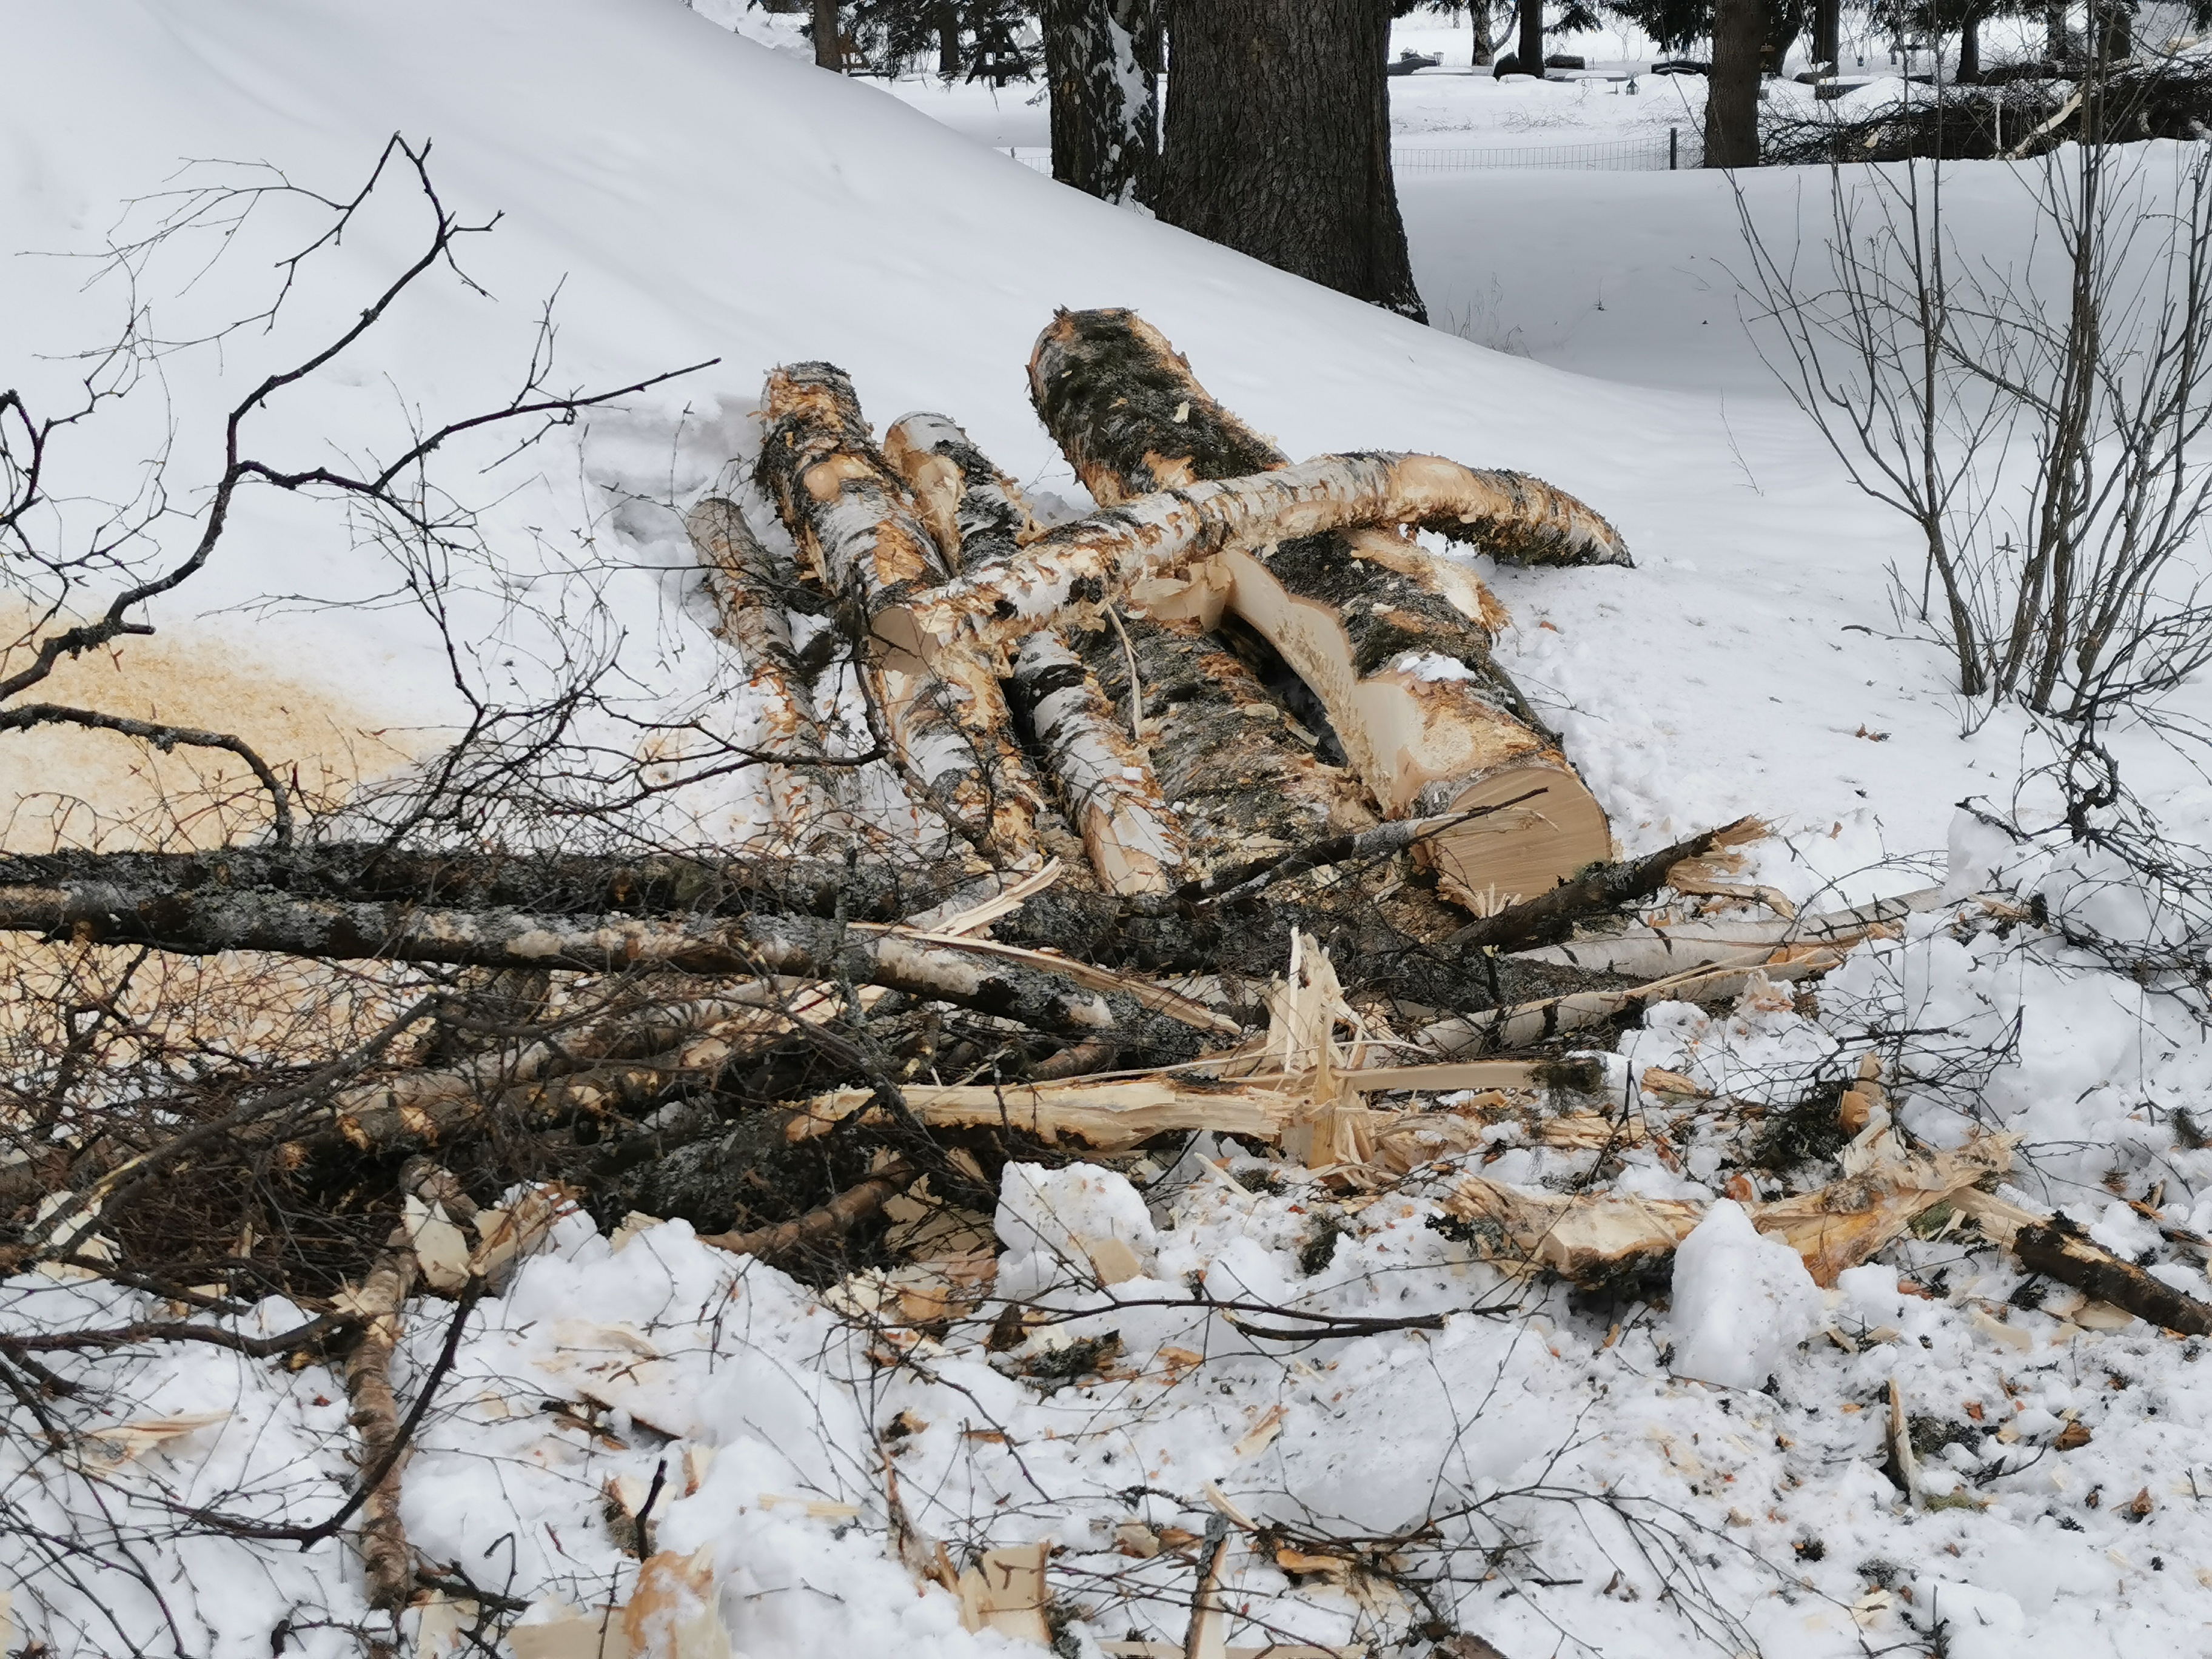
66, 784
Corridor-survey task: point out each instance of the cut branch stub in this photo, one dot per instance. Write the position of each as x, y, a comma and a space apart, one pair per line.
852, 519
1106, 780
1393, 642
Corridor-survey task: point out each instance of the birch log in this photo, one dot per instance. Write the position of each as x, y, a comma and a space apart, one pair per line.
1241, 781
1106, 782
855, 521
1395, 642
750, 593
1044, 993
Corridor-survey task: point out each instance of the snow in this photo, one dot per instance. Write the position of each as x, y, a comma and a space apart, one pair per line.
1740, 1301
698, 194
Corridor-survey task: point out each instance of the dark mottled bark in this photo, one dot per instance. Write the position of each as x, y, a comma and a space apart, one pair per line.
829, 36
206, 923
2073, 1260
552, 884
1396, 645
1279, 141
1732, 101
1243, 782
1125, 409
1529, 54
1102, 63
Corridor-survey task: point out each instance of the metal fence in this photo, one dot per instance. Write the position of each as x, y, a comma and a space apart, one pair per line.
1653, 155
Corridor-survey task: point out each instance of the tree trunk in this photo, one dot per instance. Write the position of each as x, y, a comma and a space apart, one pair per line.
750, 591
1732, 100
1477, 23
1279, 142
2114, 21
948, 39
852, 517
2057, 39
1529, 54
1827, 33
1101, 64
1970, 50
829, 36
1244, 784
1106, 783
1395, 644
1046, 994
882, 888
1785, 21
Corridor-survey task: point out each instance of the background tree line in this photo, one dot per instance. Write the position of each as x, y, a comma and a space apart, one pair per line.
1275, 139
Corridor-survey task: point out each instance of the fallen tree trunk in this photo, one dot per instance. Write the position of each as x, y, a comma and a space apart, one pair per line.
1127, 413
1237, 774
851, 515
751, 592
1027, 988
1099, 558
876, 889
1106, 783
1395, 644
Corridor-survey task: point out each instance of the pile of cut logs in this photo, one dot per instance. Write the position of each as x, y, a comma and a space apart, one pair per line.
1214, 812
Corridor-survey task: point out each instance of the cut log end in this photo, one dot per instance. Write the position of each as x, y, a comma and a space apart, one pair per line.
1524, 850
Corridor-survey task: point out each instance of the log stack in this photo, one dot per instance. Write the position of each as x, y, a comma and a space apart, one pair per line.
1236, 656
1394, 643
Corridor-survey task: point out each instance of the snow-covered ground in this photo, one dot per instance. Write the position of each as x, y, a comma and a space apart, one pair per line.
694, 196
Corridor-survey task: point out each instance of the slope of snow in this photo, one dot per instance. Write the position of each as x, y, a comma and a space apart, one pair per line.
697, 195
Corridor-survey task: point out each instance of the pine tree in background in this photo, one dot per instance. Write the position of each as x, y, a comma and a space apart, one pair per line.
981, 38
1103, 62
1278, 140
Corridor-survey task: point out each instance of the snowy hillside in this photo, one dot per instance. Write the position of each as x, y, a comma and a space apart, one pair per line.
686, 194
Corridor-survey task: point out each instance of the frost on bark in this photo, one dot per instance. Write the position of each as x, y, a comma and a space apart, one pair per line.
1102, 61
